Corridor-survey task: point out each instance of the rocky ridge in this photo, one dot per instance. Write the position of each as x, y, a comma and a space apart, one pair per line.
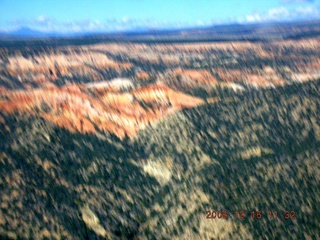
75, 108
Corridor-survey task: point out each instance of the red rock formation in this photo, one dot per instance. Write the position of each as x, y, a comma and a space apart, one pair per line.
163, 95
49, 66
142, 75
263, 81
197, 76
74, 108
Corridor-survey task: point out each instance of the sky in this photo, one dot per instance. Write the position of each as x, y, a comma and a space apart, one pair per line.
123, 15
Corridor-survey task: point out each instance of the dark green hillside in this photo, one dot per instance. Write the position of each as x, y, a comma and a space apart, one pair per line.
256, 151
263, 151
48, 174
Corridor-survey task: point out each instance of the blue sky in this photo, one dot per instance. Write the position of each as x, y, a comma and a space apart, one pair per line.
119, 15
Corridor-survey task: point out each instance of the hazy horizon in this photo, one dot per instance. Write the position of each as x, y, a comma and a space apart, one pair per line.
118, 16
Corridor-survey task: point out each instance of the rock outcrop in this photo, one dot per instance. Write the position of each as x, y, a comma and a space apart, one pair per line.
52, 66
77, 108
92, 222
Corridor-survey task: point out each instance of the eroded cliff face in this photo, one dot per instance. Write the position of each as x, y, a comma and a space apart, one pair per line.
67, 62
81, 107
122, 88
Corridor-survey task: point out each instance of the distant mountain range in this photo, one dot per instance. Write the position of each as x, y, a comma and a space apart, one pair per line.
227, 31
26, 32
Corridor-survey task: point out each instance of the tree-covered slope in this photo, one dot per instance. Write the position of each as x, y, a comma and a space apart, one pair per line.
49, 174
258, 150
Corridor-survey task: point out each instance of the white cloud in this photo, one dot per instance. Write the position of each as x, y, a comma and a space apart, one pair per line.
125, 19
42, 19
277, 13
273, 14
282, 13
307, 11
255, 17
47, 24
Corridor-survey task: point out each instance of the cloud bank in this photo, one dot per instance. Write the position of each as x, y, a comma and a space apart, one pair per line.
283, 14
46, 24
